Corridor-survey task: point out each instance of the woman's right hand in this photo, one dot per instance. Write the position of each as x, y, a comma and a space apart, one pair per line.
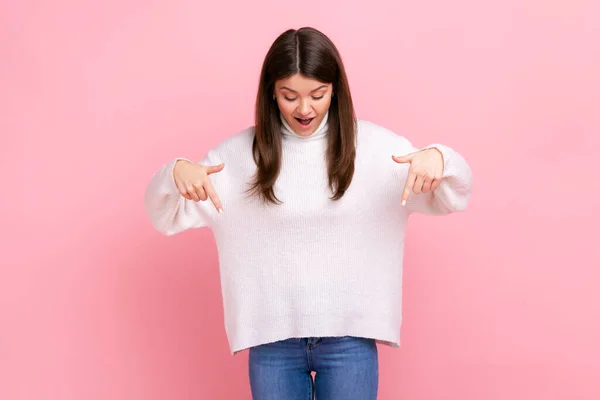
193, 183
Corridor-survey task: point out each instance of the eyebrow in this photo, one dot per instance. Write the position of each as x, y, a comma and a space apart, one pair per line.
291, 90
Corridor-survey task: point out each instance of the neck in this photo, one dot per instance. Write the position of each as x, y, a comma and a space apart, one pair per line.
320, 132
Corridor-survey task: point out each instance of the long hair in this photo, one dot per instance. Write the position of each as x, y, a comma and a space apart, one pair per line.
312, 54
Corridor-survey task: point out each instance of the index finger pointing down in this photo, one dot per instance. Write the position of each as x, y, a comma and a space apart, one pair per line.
212, 193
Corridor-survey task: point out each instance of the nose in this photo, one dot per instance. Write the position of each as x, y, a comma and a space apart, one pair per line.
304, 108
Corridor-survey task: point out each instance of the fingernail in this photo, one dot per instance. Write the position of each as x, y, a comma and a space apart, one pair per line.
403, 203
220, 211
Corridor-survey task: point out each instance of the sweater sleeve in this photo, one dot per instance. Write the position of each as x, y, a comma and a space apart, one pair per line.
452, 195
169, 211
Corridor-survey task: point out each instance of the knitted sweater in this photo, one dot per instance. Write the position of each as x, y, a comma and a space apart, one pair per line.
311, 266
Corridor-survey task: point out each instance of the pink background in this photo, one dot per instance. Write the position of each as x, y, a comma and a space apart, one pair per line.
500, 301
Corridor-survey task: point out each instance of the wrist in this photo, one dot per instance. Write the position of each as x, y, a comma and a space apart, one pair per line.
178, 164
438, 153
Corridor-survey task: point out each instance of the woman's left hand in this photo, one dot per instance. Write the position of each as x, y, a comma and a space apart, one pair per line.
425, 171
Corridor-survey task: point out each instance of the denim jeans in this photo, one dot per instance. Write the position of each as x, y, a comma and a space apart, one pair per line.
346, 368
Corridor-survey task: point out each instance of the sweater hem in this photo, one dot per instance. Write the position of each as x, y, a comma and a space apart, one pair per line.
317, 326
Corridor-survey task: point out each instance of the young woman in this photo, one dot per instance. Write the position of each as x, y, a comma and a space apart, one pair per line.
309, 209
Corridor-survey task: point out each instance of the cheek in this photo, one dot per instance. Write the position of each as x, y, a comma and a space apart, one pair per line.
323, 106
286, 108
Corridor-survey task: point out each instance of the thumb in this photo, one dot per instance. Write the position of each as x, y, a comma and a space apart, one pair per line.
403, 159
215, 168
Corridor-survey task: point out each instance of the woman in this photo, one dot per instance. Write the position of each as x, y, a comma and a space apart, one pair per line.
308, 209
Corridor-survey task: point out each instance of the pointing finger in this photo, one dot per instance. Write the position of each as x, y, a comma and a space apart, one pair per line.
408, 187
212, 193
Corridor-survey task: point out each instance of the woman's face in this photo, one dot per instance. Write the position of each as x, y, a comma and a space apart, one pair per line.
303, 102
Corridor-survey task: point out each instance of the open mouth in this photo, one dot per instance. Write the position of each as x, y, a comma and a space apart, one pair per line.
304, 121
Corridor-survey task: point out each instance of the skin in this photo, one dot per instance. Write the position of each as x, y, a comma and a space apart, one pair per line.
425, 171
193, 183
300, 97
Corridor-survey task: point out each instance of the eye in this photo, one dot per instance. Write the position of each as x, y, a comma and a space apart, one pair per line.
318, 98
288, 99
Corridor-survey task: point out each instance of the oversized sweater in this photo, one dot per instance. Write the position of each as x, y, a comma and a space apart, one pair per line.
310, 266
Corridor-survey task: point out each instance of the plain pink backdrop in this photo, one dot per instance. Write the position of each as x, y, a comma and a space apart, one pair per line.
501, 302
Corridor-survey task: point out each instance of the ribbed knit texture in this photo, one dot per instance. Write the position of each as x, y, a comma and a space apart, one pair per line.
311, 266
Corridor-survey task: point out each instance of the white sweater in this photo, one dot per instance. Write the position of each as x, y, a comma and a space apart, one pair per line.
311, 266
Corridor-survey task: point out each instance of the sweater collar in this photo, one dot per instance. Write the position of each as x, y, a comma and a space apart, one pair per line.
320, 132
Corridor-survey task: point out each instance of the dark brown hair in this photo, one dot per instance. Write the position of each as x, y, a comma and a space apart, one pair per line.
312, 54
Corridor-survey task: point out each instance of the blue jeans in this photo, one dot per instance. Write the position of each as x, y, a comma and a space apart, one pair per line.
345, 368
